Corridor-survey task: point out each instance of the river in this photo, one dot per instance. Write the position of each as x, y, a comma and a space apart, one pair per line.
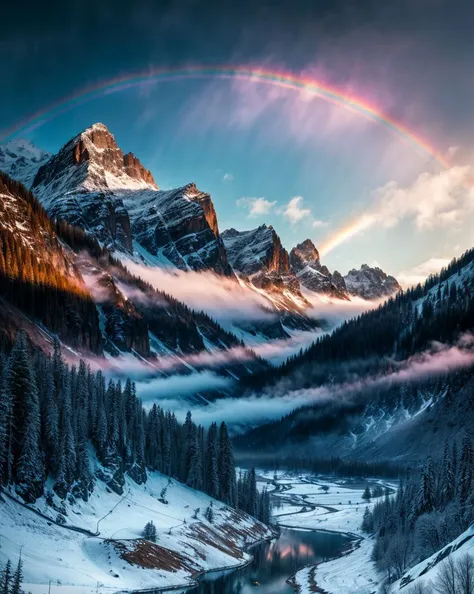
273, 563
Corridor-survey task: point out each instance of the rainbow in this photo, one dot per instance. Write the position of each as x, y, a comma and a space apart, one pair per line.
282, 79
286, 80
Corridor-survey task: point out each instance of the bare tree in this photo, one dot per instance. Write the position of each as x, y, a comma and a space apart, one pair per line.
465, 574
446, 581
398, 554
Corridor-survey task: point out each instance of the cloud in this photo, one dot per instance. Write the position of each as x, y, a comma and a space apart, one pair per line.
224, 299
433, 200
251, 410
228, 177
316, 224
165, 390
256, 206
419, 273
294, 210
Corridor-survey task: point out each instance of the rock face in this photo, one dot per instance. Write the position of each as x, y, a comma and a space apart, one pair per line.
306, 265
178, 226
80, 184
260, 258
256, 251
21, 159
93, 184
371, 283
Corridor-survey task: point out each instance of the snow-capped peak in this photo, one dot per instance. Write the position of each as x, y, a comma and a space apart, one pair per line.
21, 159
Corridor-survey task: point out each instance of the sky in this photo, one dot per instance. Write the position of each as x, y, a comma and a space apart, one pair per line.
269, 154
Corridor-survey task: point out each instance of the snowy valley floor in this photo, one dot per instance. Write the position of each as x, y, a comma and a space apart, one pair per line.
305, 505
80, 562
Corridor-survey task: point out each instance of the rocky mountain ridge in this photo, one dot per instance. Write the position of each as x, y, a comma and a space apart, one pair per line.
21, 159
306, 265
371, 283
91, 183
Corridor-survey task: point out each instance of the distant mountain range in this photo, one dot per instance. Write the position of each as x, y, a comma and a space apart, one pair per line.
394, 383
92, 185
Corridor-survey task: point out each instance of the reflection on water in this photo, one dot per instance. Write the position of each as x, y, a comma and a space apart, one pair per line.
273, 564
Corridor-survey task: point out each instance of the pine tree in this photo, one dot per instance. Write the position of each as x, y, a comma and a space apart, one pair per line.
447, 479
465, 470
6, 434
368, 522
226, 466
425, 501
17, 579
6, 578
209, 514
366, 494
50, 414
252, 496
83, 475
149, 532
67, 442
21, 384
194, 479
264, 507
212, 476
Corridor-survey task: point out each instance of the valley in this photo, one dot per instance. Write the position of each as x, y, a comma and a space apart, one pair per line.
145, 353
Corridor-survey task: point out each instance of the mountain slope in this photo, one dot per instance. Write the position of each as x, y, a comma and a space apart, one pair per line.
38, 278
306, 265
179, 226
21, 159
370, 283
395, 382
118, 557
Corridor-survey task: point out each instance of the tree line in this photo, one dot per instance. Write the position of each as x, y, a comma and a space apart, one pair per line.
35, 275
11, 580
51, 413
439, 310
334, 465
431, 508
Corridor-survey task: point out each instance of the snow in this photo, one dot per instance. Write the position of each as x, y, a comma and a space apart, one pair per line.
81, 561
305, 505
21, 159
427, 571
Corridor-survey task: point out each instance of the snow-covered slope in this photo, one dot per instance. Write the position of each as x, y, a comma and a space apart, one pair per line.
93, 184
80, 185
426, 572
179, 225
306, 264
260, 259
21, 159
370, 283
106, 546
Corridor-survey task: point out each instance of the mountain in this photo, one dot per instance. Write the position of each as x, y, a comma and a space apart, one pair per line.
394, 382
260, 259
21, 159
306, 265
370, 283
93, 184
80, 185
367, 283
39, 279
179, 227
